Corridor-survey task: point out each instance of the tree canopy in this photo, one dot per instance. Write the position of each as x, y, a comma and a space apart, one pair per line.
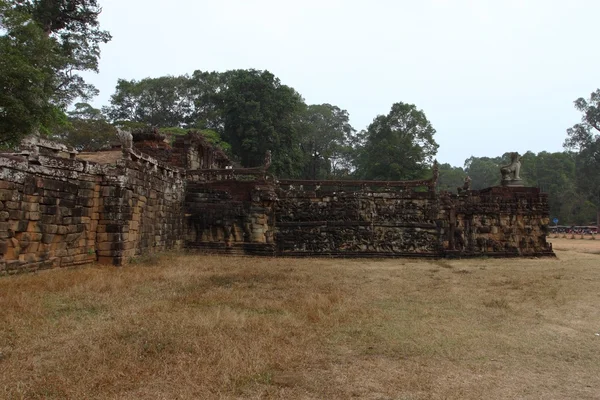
325, 141
583, 140
44, 43
397, 146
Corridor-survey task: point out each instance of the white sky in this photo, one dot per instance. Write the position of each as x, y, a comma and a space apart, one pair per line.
491, 75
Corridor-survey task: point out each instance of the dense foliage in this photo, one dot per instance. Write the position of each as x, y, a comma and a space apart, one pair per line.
583, 141
43, 46
397, 146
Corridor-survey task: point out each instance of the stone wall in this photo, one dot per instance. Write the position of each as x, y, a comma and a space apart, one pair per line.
230, 214
142, 209
410, 221
499, 221
356, 223
49, 212
57, 211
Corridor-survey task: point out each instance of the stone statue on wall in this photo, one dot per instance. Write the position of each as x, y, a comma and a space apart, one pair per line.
510, 172
126, 139
267, 162
466, 186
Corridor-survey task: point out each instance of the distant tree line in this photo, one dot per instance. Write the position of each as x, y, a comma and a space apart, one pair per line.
44, 44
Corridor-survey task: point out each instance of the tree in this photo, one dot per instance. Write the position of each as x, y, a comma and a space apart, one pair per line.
74, 28
451, 177
325, 134
260, 114
397, 146
88, 129
27, 78
160, 102
484, 171
205, 91
44, 43
584, 140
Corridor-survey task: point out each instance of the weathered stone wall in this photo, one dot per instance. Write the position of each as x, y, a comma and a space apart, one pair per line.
230, 214
141, 209
499, 221
57, 212
49, 212
356, 223
156, 197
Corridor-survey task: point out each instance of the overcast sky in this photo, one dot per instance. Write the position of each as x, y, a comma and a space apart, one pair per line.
491, 75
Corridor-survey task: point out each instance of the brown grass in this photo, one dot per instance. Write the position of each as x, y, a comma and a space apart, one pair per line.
194, 327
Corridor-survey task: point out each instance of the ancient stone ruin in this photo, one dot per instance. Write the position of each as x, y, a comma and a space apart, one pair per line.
60, 208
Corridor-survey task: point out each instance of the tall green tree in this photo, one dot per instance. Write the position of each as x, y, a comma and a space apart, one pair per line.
27, 77
325, 137
205, 91
74, 28
584, 140
43, 45
161, 102
260, 114
88, 129
451, 177
397, 146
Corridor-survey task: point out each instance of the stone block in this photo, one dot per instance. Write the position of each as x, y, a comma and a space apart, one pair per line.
57, 246
33, 216
6, 185
50, 228
28, 258
83, 258
48, 219
31, 199
76, 251
26, 206
61, 253
72, 237
11, 205
48, 238
19, 226
35, 236
105, 246
66, 261
33, 247
6, 195
85, 193
86, 202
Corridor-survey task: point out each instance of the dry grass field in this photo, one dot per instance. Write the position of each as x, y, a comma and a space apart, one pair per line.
196, 327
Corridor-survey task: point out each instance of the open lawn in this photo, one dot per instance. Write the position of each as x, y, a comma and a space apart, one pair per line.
194, 327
